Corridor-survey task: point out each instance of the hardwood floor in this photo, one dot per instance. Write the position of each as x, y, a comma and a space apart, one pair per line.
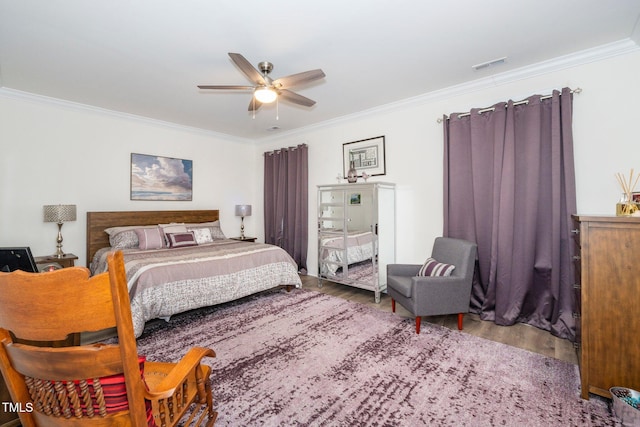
520, 335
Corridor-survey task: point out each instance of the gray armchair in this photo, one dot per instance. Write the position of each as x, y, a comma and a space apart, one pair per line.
435, 295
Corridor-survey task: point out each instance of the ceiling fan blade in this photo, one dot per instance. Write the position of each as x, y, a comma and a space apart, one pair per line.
249, 70
290, 96
254, 105
223, 87
299, 78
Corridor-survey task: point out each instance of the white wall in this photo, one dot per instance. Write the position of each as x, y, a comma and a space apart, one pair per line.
50, 153
605, 142
55, 153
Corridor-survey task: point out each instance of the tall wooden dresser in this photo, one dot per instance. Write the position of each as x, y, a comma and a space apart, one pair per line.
607, 261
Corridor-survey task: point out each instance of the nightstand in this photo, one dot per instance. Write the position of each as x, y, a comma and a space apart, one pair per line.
68, 260
245, 239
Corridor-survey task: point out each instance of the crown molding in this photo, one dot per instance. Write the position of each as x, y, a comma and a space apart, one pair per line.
76, 106
622, 47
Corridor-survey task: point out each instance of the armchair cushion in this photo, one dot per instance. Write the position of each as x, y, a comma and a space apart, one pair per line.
431, 267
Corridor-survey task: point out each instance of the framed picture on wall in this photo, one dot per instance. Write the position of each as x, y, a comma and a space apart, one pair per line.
161, 178
367, 156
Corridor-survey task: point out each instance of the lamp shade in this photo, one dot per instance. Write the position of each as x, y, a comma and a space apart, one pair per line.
59, 213
243, 210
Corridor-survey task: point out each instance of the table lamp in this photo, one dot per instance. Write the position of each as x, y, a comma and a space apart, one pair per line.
242, 211
59, 214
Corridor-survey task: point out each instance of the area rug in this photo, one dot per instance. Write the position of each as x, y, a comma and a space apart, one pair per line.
304, 358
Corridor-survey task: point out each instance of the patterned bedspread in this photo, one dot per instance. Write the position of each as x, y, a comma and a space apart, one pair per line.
165, 282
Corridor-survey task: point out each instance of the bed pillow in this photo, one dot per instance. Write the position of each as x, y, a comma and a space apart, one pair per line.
125, 237
124, 240
174, 227
216, 232
202, 235
179, 240
213, 226
150, 238
431, 267
115, 230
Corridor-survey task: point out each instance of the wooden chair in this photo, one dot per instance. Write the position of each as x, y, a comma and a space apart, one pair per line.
78, 386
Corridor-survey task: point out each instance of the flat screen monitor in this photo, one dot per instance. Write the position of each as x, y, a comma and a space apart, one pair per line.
17, 259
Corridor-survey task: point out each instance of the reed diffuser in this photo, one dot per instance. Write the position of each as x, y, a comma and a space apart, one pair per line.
627, 205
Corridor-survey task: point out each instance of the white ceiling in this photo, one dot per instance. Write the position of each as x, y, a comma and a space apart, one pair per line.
145, 57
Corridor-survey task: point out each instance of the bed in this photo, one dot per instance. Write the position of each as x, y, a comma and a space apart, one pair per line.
360, 247
167, 281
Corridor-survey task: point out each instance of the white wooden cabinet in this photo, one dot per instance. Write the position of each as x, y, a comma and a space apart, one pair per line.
356, 234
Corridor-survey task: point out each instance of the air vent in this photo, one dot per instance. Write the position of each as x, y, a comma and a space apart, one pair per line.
489, 63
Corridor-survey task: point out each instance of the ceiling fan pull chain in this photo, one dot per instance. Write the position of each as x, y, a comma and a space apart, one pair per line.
277, 109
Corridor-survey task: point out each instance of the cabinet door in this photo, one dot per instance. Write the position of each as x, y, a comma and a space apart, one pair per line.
360, 210
331, 210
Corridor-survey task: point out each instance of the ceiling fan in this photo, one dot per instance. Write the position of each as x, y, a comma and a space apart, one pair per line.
265, 89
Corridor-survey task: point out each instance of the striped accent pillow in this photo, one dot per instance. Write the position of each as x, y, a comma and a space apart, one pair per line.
115, 394
431, 267
149, 238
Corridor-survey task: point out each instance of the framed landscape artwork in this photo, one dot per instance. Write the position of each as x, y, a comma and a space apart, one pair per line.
161, 178
367, 156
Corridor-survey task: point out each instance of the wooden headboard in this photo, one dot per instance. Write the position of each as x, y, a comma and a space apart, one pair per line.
97, 222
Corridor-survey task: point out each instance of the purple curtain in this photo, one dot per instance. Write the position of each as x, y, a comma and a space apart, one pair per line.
509, 185
286, 195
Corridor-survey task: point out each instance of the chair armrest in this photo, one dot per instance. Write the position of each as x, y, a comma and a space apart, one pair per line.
407, 270
179, 372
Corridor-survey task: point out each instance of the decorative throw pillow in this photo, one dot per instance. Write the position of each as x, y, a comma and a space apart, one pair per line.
431, 267
202, 235
179, 240
115, 393
150, 238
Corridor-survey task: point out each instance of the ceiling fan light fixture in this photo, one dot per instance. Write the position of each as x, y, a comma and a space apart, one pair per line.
265, 95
